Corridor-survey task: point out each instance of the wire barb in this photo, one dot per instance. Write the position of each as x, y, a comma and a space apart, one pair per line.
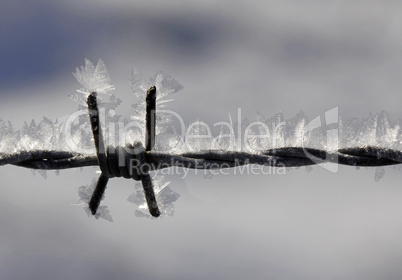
97, 195
100, 188
150, 119
129, 162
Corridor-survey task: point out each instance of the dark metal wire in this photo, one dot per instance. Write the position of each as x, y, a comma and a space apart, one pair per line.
368, 156
135, 161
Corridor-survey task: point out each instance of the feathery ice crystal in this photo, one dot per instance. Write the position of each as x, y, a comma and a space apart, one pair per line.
93, 78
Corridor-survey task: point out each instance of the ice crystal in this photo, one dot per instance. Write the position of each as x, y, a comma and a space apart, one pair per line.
93, 78
376, 130
7, 138
225, 140
198, 137
85, 193
165, 86
165, 198
379, 173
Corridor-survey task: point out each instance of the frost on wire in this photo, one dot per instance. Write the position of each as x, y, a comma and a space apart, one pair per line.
376, 130
166, 137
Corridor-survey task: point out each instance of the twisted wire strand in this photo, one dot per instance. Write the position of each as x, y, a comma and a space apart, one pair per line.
210, 159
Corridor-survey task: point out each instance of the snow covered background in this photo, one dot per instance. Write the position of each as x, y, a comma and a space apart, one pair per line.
287, 56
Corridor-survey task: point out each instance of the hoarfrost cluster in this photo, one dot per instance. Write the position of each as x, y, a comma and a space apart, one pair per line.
93, 78
85, 193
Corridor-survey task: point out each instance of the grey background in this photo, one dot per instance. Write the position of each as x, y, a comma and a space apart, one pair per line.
265, 56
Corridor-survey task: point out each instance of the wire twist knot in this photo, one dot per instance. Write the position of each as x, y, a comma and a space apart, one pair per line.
128, 162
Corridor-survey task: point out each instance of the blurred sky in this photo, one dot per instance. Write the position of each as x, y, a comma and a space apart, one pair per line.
265, 56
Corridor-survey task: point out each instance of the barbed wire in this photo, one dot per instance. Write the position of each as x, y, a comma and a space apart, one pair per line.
136, 161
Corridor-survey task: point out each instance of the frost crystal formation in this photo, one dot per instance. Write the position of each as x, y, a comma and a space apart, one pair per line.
93, 78
166, 137
85, 193
165, 198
